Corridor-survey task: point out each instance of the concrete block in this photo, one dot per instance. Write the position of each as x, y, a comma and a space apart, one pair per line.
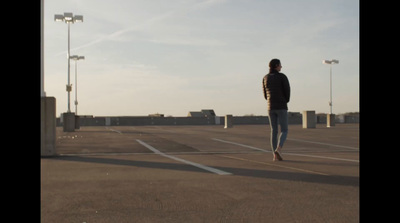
309, 119
77, 122
228, 121
217, 120
69, 122
330, 120
48, 126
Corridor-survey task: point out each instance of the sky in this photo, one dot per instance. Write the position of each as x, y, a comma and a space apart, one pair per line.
171, 57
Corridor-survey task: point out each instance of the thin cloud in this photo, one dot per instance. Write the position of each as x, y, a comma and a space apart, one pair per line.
152, 21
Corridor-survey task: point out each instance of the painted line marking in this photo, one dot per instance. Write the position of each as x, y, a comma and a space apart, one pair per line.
146, 153
270, 164
292, 154
210, 169
242, 145
114, 130
325, 144
322, 157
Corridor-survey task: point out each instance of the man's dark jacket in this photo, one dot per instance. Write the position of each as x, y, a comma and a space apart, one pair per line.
276, 89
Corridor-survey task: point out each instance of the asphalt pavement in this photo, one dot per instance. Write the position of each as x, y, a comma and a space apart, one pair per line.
201, 174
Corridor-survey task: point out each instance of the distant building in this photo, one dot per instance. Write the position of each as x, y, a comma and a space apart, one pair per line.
156, 115
208, 112
202, 113
195, 114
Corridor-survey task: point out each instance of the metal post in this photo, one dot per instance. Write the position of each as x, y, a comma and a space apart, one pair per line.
69, 85
76, 87
330, 116
330, 74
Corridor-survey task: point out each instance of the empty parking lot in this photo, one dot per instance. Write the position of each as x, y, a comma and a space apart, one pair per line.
201, 174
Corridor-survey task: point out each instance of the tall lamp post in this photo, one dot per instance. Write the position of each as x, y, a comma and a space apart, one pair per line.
68, 18
76, 58
331, 116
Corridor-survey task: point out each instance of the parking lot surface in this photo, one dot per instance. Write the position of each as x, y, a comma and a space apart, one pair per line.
201, 174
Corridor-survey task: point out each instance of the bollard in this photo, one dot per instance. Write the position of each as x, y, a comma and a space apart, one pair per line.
330, 120
108, 121
217, 120
228, 121
308, 119
69, 122
77, 122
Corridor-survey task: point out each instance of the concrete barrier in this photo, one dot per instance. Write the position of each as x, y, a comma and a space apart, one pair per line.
144, 120
77, 122
309, 119
69, 122
330, 118
214, 120
48, 126
250, 120
148, 120
228, 121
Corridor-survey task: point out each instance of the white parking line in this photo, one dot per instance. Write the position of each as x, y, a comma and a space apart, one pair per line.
292, 154
276, 165
322, 157
242, 145
213, 170
114, 130
325, 144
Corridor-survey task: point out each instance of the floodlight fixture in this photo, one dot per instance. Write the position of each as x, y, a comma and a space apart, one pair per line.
78, 18
68, 17
59, 18
76, 57
330, 61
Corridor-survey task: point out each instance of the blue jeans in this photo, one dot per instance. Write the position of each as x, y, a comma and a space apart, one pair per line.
275, 117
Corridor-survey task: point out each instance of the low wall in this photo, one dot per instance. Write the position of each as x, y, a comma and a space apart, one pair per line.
128, 121
217, 120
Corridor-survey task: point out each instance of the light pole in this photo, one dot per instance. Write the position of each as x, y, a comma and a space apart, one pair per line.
330, 118
68, 18
76, 58
330, 62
